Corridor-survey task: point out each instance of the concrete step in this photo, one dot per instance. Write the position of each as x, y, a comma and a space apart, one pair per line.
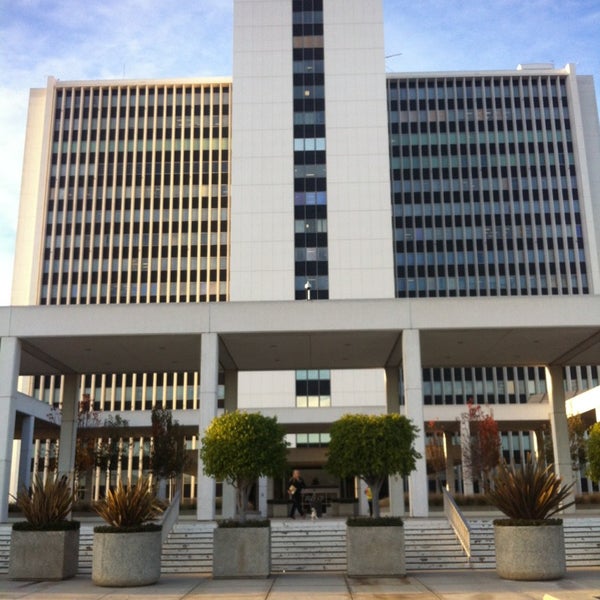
321, 545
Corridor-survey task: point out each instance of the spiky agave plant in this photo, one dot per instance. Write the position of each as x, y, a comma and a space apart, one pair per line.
130, 508
48, 504
529, 492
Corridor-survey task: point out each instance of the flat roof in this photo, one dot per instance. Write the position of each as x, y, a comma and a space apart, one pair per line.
289, 335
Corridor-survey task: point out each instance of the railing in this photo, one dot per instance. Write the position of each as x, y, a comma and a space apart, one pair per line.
170, 516
457, 520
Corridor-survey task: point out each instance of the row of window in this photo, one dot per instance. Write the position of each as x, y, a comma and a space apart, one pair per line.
141, 96
310, 185
553, 86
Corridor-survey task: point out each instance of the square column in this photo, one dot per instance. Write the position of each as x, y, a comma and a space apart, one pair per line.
209, 393
68, 427
261, 493
450, 477
413, 407
395, 483
465, 456
10, 362
560, 430
26, 454
228, 501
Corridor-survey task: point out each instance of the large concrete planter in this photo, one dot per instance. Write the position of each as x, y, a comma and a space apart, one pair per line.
126, 559
375, 551
44, 555
529, 552
241, 552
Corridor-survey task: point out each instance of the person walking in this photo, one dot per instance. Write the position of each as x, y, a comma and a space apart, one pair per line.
295, 486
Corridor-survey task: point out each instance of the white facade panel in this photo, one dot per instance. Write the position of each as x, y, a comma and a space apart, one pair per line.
30, 238
358, 388
266, 390
588, 167
262, 217
358, 190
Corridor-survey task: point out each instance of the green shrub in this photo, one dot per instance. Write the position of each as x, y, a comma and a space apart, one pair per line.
131, 529
54, 526
530, 491
229, 523
374, 522
125, 508
47, 503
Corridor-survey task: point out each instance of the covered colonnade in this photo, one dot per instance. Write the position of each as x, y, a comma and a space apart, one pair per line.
390, 334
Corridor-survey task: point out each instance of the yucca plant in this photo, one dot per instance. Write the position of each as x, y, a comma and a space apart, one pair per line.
130, 508
529, 492
48, 505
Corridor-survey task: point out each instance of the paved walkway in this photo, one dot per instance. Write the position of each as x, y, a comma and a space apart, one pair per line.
580, 584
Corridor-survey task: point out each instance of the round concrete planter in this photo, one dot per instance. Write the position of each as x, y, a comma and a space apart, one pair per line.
126, 559
530, 552
44, 555
375, 551
241, 552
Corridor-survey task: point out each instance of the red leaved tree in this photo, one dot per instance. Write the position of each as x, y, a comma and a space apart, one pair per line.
485, 443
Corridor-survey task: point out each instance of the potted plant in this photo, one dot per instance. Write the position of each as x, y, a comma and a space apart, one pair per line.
529, 543
373, 447
238, 448
46, 545
126, 551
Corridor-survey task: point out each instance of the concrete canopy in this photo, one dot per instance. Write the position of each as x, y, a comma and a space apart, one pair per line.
334, 334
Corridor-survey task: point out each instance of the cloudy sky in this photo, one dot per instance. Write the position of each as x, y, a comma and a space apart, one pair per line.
107, 39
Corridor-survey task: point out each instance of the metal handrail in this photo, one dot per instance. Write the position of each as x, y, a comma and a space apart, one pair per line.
170, 515
457, 520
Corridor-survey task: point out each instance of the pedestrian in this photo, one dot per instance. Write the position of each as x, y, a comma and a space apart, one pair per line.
369, 495
295, 486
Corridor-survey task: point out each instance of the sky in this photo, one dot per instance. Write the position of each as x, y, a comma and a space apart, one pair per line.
115, 39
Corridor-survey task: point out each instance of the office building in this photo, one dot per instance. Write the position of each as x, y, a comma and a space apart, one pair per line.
311, 175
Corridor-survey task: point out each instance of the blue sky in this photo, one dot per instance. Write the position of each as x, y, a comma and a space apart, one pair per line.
93, 39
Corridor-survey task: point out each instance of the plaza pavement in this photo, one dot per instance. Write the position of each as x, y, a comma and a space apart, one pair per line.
579, 584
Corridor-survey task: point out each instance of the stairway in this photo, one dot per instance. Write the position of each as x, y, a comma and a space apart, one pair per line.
4, 547
306, 545
432, 544
188, 548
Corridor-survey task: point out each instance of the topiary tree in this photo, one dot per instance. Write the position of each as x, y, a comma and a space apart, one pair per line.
239, 447
593, 452
372, 447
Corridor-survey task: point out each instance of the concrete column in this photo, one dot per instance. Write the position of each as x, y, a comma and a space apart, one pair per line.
26, 453
392, 385
68, 427
560, 430
10, 362
449, 452
395, 484
465, 456
229, 508
262, 496
396, 489
231, 391
228, 501
209, 393
363, 507
413, 399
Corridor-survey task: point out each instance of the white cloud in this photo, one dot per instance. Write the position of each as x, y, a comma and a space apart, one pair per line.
71, 40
